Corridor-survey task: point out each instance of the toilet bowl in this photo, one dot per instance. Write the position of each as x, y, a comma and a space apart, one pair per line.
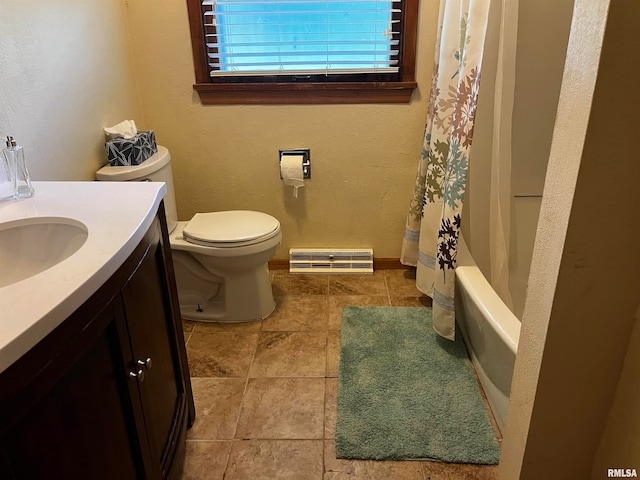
220, 258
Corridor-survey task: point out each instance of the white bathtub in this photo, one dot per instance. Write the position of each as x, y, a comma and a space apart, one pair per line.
490, 331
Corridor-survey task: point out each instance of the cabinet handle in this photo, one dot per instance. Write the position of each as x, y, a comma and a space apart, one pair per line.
139, 375
146, 363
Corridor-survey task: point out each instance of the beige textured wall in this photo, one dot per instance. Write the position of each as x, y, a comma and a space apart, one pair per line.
64, 75
539, 69
363, 157
538, 74
620, 443
564, 162
582, 298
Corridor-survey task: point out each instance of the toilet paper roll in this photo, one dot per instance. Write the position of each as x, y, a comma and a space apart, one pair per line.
291, 172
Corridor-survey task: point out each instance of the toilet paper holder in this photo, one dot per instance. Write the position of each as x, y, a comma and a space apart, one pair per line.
306, 160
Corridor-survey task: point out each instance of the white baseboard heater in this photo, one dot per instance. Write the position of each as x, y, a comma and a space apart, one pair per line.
330, 260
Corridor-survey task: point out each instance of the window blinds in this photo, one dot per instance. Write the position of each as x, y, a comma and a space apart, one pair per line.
301, 37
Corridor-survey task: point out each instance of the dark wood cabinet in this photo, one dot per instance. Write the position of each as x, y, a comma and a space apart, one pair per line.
107, 394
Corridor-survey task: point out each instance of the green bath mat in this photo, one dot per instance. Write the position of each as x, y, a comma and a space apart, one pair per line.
405, 393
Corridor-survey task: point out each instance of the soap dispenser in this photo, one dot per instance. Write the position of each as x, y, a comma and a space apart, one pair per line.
17, 168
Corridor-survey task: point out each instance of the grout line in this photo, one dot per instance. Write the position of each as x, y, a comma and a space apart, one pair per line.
263, 439
324, 402
326, 354
327, 317
386, 285
195, 325
324, 422
208, 440
284, 377
244, 392
324, 405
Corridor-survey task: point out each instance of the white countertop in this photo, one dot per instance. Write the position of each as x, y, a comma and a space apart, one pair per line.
116, 214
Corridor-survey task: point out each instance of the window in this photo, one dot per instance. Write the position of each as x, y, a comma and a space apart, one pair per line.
303, 51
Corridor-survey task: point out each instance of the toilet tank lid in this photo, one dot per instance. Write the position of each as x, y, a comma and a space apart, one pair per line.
134, 172
232, 226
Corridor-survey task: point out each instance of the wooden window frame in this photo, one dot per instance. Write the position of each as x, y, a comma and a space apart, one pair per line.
250, 93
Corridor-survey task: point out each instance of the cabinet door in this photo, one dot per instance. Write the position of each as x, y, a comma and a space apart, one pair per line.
151, 325
77, 429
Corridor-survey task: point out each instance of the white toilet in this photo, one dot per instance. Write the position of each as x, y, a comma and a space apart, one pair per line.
220, 258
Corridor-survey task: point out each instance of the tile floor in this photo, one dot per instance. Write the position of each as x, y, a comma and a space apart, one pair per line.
266, 391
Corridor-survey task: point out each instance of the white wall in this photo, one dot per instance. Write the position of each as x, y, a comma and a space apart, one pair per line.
65, 74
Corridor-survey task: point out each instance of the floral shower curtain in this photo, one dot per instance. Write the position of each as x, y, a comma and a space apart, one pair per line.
433, 223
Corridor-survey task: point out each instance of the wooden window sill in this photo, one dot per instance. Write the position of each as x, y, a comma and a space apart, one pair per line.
304, 93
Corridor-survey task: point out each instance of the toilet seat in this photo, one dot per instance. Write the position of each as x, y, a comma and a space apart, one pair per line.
229, 229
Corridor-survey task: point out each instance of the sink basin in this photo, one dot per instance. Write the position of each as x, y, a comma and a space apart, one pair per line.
30, 246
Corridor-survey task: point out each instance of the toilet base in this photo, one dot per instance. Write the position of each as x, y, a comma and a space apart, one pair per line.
240, 296
210, 313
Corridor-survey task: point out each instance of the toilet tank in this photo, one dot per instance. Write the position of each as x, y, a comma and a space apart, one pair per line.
156, 168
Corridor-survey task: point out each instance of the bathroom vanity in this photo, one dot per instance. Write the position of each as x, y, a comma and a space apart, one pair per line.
94, 381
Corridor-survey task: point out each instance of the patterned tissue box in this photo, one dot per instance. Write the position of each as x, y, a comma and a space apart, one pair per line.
132, 151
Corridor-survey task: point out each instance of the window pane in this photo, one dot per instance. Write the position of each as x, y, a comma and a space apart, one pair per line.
301, 36
348, 32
